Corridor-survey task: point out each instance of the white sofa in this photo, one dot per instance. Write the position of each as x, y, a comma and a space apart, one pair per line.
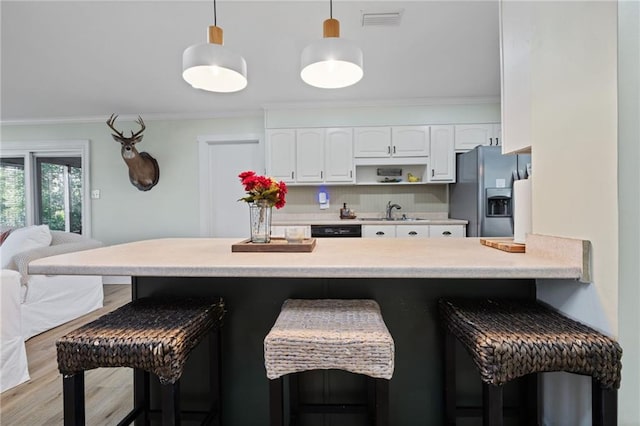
14, 356
45, 301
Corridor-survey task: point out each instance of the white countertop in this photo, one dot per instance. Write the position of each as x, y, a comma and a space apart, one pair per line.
291, 222
331, 258
427, 218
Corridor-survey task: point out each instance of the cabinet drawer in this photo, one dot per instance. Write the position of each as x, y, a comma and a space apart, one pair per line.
410, 231
443, 231
379, 231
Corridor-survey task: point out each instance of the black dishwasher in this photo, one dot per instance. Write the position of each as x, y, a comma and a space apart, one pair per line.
336, 231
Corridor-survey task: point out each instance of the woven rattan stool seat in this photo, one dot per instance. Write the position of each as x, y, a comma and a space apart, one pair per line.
154, 335
509, 339
329, 334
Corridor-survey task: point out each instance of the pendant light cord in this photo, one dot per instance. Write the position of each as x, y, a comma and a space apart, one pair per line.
330, 8
215, 23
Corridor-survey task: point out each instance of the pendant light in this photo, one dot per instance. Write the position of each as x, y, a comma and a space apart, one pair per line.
210, 66
331, 62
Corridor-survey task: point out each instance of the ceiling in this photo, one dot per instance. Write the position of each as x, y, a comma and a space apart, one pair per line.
83, 60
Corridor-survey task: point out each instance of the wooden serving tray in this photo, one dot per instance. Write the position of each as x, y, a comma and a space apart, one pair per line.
276, 245
503, 244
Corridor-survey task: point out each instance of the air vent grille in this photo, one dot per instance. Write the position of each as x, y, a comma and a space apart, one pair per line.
388, 18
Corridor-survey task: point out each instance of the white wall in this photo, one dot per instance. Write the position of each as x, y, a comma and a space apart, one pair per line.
575, 157
123, 213
441, 111
629, 207
171, 208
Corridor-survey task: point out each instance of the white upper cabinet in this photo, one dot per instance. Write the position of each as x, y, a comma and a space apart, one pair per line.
281, 154
338, 155
442, 157
516, 35
372, 142
310, 155
397, 141
410, 141
468, 136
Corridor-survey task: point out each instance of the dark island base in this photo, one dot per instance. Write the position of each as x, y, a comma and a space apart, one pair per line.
409, 310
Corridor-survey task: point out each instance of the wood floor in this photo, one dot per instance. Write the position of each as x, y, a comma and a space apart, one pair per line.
38, 402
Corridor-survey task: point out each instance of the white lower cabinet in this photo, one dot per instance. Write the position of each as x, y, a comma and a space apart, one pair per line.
413, 231
378, 231
444, 231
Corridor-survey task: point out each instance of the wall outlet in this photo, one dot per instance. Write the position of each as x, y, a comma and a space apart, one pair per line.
95, 194
324, 206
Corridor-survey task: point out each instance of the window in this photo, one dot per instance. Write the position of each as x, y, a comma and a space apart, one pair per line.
45, 183
12, 195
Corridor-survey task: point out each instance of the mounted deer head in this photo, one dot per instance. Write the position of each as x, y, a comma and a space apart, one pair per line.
143, 168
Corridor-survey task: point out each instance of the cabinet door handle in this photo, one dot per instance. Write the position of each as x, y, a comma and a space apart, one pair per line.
491, 141
351, 173
291, 175
433, 173
497, 142
380, 233
446, 233
388, 150
413, 233
321, 177
394, 149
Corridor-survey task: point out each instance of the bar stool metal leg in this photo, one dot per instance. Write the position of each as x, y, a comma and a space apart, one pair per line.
215, 379
382, 402
170, 395
73, 399
604, 403
529, 411
294, 399
276, 403
491, 405
449, 378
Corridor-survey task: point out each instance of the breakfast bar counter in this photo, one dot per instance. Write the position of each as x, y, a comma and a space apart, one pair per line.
405, 276
331, 258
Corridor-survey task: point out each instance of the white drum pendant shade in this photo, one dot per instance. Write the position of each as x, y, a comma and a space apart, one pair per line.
213, 67
331, 63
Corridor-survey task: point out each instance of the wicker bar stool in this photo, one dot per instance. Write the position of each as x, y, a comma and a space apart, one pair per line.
508, 339
150, 335
325, 334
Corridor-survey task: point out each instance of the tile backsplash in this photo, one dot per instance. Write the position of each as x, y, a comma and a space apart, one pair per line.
369, 198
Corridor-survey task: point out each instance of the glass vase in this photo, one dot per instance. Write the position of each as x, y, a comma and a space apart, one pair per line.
260, 221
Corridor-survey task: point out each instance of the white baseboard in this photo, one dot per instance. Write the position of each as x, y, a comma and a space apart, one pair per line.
112, 279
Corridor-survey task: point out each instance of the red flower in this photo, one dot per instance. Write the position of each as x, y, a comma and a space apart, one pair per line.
263, 188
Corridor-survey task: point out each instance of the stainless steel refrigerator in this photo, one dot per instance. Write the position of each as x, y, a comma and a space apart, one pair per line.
483, 192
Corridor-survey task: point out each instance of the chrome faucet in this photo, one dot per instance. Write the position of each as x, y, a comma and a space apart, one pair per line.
390, 208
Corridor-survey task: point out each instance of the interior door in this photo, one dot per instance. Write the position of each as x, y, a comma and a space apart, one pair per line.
221, 214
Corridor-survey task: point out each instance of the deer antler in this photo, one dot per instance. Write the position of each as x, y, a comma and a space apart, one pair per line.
111, 121
141, 123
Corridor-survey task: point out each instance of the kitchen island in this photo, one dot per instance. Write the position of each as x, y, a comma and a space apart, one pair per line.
405, 276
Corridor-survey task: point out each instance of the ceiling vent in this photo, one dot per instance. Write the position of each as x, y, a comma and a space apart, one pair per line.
377, 19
